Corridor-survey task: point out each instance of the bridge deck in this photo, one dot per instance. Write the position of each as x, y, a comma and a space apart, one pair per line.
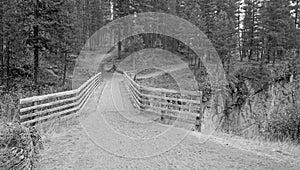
112, 135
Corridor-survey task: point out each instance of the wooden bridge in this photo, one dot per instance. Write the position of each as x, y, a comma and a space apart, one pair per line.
40, 109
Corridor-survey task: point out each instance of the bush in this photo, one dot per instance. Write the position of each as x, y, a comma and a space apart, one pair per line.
285, 124
9, 107
19, 146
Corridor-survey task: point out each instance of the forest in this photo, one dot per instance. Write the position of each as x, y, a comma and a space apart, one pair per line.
257, 40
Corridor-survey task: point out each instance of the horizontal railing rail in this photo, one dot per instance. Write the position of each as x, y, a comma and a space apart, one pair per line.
38, 109
180, 105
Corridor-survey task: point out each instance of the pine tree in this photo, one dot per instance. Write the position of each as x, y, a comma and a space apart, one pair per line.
1, 42
208, 8
251, 39
11, 39
295, 10
279, 31
238, 23
46, 23
225, 37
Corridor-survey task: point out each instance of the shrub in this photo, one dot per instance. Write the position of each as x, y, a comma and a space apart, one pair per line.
285, 124
9, 107
19, 146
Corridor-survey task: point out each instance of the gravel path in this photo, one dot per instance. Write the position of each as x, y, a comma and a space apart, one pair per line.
112, 135
167, 69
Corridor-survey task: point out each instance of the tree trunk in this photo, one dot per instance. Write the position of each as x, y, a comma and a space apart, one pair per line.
257, 53
7, 64
173, 5
1, 60
296, 13
119, 45
268, 56
239, 33
275, 52
252, 37
65, 69
263, 51
36, 45
1, 47
36, 55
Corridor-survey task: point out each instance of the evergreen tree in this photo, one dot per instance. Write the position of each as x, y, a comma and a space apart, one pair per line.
238, 24
45, 23
12, 41
279, 31
251, 30
225, 38
295, 10
209, 9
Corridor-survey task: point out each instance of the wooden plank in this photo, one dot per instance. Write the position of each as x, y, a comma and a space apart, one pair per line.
41, 113
131, 81
26, 109
90, 87
83, 93
136, 91
52, 109
175, 105
50, 116
136, 98
87, 96
163, 90
55, 95
190, 120
45, 97
87, 89
86, 84
89, 81
175, 99
171, 110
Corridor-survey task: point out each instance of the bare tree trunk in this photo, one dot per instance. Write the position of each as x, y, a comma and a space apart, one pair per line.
119, 45
275, 52
257, 53
65, 69
36, 47
1, 59
239, 33
36, 56
173, 5
243, 51
1, 47
252, 38
8, 64
265, 51
297, 14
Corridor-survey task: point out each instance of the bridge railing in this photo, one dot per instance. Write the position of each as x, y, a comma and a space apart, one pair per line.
180, 105
39, 109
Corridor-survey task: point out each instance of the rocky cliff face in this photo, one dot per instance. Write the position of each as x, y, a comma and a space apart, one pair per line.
267, 113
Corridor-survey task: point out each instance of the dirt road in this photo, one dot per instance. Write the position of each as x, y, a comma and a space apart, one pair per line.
112, 135
166, 70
